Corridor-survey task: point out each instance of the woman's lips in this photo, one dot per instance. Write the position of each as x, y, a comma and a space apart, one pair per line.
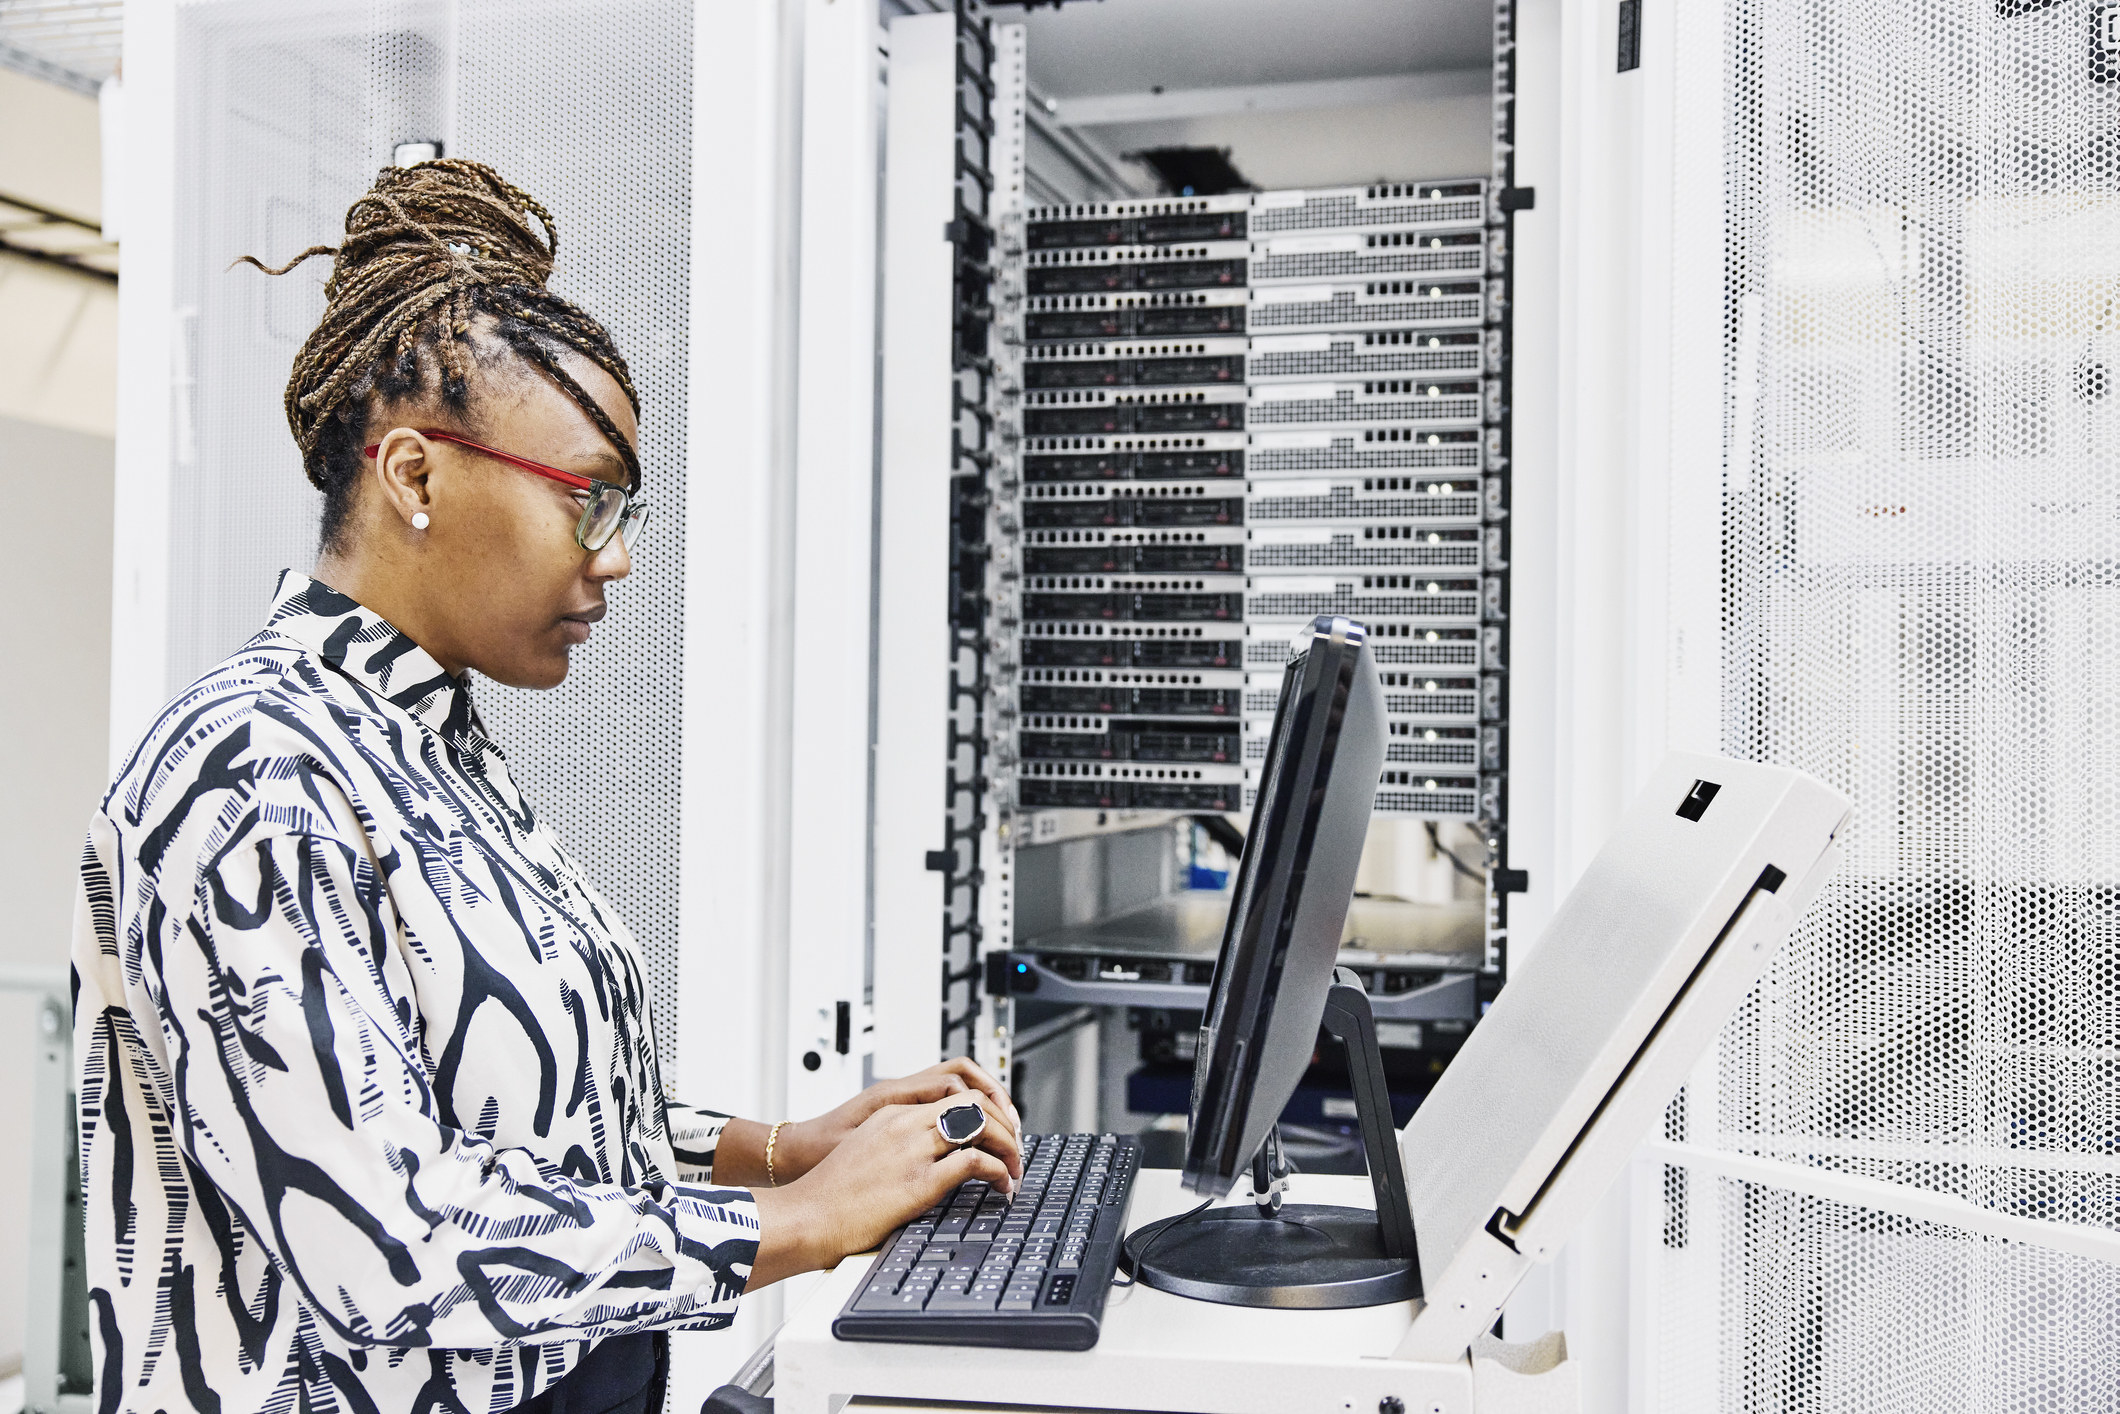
576, 626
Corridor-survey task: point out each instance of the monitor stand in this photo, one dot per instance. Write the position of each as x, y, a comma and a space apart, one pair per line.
1304, 1256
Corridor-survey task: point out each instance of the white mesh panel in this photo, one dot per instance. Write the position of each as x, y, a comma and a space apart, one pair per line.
1923, 379
285, 113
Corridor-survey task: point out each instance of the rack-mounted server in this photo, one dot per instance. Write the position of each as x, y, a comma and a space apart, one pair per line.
1235, 413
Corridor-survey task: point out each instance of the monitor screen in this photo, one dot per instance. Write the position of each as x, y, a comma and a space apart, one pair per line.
1316, 789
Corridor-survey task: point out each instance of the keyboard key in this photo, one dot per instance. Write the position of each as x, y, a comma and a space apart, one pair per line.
963, 1301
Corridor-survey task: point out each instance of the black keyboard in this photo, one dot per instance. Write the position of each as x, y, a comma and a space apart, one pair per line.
1029, 1274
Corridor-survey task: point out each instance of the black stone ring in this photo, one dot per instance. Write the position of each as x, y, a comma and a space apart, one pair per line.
961, 1124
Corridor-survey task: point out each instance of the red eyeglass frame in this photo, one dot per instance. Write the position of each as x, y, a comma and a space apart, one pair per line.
632, 512
567, 478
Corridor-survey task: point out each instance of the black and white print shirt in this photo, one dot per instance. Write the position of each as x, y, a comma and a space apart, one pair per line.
370, 1116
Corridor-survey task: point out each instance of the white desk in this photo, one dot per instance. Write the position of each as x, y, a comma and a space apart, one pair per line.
1163, 1352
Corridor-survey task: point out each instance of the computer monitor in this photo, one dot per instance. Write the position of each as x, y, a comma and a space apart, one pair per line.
1274, 986
1286, 914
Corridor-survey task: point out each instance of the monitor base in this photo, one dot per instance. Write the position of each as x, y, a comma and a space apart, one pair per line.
1308, 1258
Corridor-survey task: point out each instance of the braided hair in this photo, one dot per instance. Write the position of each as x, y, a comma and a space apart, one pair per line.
435, 254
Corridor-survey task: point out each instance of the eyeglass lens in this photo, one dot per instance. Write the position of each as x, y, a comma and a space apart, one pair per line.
608, 511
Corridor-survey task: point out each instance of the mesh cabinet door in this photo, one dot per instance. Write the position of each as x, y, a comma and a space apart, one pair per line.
1921, 605
284, 114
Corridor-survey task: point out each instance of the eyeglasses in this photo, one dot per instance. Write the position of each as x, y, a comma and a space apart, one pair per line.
611, 510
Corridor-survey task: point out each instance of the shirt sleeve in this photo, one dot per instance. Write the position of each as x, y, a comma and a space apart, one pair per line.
694, 1135
292, 1033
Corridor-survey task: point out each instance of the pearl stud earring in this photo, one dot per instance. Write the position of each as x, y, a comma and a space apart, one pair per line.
419, 520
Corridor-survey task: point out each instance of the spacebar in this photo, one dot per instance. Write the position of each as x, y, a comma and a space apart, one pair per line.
963, 1300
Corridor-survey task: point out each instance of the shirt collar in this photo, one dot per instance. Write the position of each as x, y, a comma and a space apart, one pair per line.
365, 647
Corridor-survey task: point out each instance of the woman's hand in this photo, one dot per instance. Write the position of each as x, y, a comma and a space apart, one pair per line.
892, 1167
804, 1145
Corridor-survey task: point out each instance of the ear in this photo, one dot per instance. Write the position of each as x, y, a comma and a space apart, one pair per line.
402, 464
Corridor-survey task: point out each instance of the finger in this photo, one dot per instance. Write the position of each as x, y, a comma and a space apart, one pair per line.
934, 1083
974, 1162
996, 1138
978, 1078
1003, 1146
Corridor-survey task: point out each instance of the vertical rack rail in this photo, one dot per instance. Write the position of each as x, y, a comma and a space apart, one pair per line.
969, 814
993, 1042
1504, 201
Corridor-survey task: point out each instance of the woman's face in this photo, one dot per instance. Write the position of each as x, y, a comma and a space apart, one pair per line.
505, 588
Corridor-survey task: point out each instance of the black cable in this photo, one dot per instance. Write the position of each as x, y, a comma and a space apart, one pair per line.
1435, 838
1223, 832
1149, 1246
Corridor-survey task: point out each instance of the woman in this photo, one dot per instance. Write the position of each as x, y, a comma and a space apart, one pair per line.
370, 1116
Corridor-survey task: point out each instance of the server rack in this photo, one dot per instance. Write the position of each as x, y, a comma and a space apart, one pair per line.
1202, 421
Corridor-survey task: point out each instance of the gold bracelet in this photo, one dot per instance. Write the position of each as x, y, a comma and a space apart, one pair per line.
772, 1138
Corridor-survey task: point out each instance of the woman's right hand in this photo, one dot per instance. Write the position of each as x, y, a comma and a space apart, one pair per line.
894, 1166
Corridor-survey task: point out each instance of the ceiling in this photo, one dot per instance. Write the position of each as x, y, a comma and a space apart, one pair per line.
70, 42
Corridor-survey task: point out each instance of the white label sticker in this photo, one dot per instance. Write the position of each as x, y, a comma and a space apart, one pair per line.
1264, 440
1275, 200
1293, 294
1292, 535
1293, 343
1294, 584
1312, 245
1257, 629
1293, 392
1274, 490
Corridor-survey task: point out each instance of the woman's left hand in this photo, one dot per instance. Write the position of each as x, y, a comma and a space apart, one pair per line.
804, 1144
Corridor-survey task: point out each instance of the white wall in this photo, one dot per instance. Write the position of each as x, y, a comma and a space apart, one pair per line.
54, 693
59, 361
58, 393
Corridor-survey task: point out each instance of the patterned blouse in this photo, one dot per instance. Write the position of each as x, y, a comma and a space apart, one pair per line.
370, 1116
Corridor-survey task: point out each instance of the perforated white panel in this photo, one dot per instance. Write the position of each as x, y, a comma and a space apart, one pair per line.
285, 113
1922, 371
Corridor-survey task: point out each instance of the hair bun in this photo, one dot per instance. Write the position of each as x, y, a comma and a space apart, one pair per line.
461, 220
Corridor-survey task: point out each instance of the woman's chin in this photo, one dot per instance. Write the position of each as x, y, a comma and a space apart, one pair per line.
545, 670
